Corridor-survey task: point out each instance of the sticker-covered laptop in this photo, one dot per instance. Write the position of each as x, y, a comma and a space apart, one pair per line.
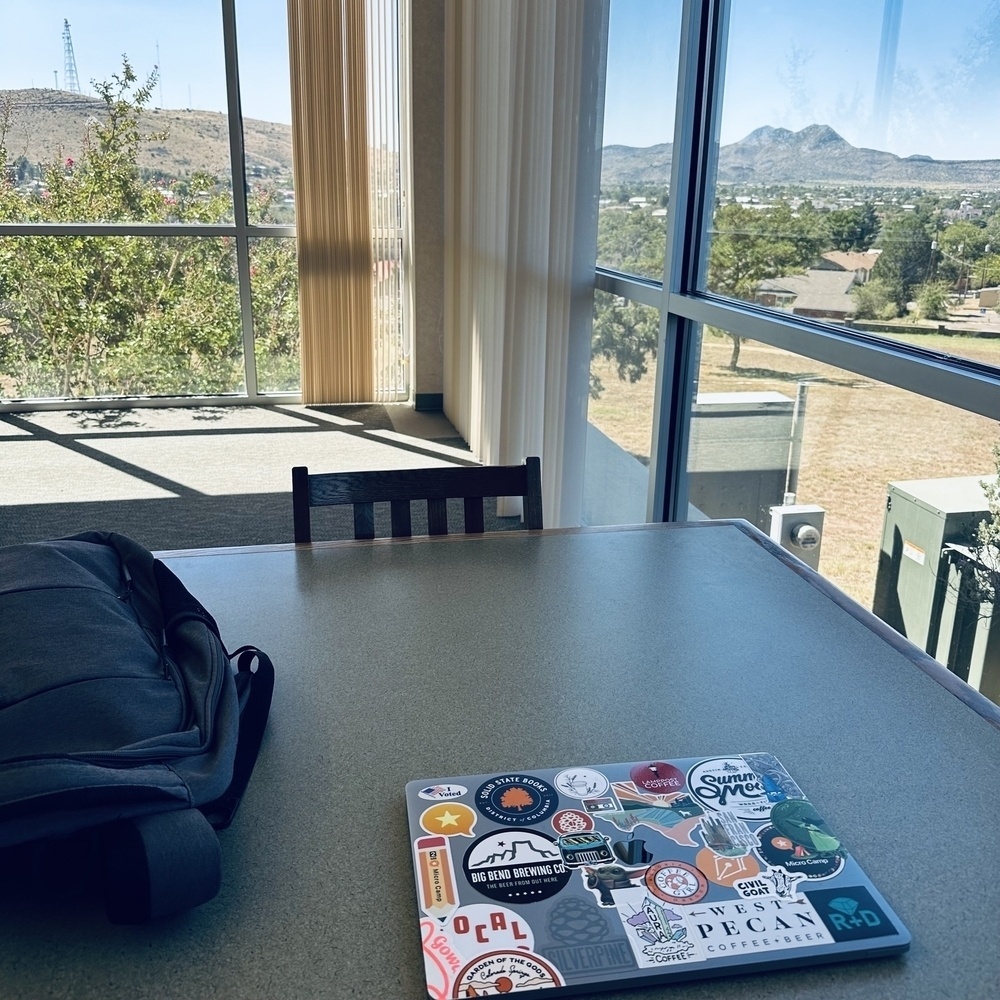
605, 876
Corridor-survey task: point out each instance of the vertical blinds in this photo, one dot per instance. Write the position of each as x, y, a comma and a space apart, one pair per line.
343, 57
521, 137
383, 60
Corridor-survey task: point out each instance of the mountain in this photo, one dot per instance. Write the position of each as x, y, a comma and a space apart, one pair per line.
816, 154
49, 126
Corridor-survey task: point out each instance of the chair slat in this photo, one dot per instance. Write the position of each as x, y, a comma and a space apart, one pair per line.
474, 522
400, 514
364, 520
437, 516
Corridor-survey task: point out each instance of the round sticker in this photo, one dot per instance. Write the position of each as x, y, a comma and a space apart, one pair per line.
581, 782
729, 783
658, 777
500, 972
676, 882
572, 821
516, 799
801, 824
724, 870
778, 849
515, 866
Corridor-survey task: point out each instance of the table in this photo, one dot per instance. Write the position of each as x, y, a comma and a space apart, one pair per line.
423, 658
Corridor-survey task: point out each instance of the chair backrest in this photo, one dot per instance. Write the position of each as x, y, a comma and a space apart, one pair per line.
399, 486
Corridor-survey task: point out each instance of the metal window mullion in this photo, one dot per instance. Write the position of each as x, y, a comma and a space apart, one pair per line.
948, 379
237, 162
701, 69
137, 229
114, 229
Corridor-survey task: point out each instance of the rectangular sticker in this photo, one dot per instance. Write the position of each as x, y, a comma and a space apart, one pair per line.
914, 552
436, 876
746, 927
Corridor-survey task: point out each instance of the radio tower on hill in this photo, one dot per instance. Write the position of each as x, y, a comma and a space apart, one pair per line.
69, 70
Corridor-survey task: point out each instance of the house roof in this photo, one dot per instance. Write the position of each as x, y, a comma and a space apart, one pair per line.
816, 290
852, 260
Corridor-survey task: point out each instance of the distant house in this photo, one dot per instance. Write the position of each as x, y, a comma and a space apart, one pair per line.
861, 263
819, 293
965, 210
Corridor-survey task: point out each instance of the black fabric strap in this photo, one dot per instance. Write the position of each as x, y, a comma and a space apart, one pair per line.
253, 720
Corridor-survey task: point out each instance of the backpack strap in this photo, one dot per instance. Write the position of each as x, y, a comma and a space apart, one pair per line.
159, 865
255, 687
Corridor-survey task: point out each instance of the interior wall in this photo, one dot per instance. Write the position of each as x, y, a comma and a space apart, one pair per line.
427, 238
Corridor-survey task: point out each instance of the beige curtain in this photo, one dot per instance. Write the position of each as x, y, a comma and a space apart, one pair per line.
522, 138
326, 41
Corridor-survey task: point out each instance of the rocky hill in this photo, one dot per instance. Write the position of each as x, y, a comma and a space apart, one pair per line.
49, 125
816, 154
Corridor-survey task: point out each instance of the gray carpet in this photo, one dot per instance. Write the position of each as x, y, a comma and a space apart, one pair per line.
163, 453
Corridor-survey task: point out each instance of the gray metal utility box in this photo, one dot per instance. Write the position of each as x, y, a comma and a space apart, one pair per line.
739, 454
915, 587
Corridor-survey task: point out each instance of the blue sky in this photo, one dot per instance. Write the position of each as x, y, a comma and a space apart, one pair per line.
187, 34
791, 63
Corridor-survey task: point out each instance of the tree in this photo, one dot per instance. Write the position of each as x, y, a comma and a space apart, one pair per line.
625, 333
750, 245
633, 241
852, 228
516, 798
905, 259
932, 300
133, 315
874, 300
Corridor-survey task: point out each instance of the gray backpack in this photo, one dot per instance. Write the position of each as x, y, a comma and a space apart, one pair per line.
125, 725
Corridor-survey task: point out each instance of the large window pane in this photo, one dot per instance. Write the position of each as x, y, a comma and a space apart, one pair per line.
118, 316
895, 478
620, 413
869, 197
262, 33
274, 286
118, 115
643, 45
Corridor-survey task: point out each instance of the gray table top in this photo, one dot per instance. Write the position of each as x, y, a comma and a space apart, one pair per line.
422, 659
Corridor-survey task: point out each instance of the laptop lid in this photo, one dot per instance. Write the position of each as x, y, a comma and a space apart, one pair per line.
610, 875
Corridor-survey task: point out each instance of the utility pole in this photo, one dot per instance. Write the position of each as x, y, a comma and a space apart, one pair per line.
69, 69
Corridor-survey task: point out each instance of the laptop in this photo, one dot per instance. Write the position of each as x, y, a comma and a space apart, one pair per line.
575, 879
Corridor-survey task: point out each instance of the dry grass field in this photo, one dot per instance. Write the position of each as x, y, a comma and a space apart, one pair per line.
859, 435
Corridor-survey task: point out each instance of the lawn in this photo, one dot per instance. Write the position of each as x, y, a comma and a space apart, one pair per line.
859, 435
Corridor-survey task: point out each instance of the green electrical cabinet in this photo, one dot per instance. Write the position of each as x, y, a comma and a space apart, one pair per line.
928, 523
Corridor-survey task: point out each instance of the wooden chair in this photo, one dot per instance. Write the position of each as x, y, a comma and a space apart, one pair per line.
400, 486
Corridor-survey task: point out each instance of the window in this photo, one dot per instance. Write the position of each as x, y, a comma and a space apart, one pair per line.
147, 203
131, 242
826, 314
869, 198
